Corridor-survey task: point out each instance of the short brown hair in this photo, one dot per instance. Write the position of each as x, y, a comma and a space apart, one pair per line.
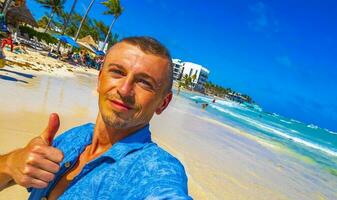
150, 45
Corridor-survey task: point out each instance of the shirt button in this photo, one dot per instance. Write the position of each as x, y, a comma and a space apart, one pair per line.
67, 164
44, 198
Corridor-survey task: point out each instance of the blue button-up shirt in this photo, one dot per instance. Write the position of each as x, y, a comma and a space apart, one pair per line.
133, 168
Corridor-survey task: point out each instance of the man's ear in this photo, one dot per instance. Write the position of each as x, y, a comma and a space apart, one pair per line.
165, 103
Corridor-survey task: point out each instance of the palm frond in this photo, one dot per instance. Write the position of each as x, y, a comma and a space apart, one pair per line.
113, 8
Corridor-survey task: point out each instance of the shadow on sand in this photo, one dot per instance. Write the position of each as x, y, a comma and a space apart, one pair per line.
8, 78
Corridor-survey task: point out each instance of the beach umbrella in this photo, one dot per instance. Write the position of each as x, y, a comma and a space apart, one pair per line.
20, 14
66, 39
86, 46
88, 40
99, 53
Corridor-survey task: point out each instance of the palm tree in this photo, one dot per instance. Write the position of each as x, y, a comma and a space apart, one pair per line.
186, 81
43, 21
89, 27
74, 23
67, 17
65, 23
83, 19
193, 77
115, 9
101, 27
56, 6
114, 38
6, 5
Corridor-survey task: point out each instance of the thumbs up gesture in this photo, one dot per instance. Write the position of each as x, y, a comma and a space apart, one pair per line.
36, 164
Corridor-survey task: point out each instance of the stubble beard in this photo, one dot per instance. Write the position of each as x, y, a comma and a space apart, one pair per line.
116, 120
113, 120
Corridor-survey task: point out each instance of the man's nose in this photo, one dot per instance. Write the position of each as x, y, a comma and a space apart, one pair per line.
127, 87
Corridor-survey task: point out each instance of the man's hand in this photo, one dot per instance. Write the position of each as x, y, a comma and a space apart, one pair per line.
36, 164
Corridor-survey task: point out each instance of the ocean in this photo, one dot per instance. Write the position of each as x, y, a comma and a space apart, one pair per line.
315, 145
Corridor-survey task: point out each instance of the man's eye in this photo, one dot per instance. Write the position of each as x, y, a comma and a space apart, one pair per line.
146, 83
116, 71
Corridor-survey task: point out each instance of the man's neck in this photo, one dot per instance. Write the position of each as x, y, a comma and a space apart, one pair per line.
105, 136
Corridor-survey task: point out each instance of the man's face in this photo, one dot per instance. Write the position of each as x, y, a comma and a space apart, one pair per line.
132, 86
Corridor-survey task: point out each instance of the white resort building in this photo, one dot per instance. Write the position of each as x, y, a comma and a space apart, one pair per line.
180, 69
177, 68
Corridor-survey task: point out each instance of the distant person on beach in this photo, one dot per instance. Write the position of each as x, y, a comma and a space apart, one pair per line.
7, 41
70, 55
204, 105
114, 158
98, 62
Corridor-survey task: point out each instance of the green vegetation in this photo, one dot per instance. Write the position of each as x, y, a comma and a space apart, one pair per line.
55, 6
215, 90
97, 29
185, 82
220, 91
113, 8
83, 25
40, 36
83, 19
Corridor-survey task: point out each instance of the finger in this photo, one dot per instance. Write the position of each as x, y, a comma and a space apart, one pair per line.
27, 181
37, 173
53, 154
36, 183
44, 164
51, 129
48, 152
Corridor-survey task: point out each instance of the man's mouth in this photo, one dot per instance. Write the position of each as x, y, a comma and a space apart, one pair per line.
121, 105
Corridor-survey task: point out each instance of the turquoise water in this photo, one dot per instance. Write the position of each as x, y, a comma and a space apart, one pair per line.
313, 142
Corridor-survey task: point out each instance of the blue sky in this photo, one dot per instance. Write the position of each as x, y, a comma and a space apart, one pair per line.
282, 53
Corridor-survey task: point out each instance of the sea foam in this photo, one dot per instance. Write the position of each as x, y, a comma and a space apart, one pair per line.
276, 131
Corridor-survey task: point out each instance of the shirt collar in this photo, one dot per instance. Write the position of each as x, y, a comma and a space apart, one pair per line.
133, 142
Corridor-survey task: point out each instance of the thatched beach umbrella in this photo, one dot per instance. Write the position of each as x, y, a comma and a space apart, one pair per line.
88, 40
86, 46
20, 14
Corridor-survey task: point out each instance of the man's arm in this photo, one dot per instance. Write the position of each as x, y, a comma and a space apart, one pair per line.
165, 177
164, 190
5, 179
35, 164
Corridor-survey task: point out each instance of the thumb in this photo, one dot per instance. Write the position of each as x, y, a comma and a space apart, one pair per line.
53, 125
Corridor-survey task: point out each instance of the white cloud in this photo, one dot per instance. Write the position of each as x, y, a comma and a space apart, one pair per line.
262, 18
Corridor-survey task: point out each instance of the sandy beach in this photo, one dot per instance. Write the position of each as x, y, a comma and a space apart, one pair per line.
222, 162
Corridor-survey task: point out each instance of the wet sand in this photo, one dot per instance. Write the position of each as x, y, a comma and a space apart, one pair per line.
222, 162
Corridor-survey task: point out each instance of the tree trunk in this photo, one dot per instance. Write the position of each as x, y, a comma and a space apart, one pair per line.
50, 18
66, 23
6, 5
107, 35
83, 19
